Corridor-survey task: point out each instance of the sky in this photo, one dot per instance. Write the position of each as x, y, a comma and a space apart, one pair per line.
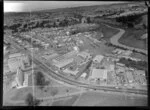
22, 6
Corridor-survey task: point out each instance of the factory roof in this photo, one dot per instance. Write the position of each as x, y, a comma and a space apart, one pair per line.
62, 63
15, 55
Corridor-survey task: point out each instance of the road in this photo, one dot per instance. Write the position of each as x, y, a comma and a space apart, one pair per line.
114, 40
62, 78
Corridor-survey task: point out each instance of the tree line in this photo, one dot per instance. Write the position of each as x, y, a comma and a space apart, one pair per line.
23, 27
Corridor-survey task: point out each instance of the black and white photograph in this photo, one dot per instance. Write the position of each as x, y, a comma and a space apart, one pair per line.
75, 53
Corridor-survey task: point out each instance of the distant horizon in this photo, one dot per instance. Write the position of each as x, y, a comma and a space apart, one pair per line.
27, 6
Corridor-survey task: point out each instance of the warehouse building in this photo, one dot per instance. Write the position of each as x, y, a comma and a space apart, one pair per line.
17, 60
63, 63
21, 79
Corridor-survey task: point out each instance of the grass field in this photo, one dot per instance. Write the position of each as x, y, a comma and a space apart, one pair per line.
140, 56
95, 48
20, 94
110, 99
107, 31
66, 102
132, 38
12, 104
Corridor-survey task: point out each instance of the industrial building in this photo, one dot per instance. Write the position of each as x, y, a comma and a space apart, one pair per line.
21, 79
70, 71
49, 57
63, 63
17, 60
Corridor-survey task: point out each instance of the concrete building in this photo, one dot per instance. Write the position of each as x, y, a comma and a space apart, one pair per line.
98, 58
83, 75
21, 79
99, 74
5, 49
17, 60
61, 64
71, 72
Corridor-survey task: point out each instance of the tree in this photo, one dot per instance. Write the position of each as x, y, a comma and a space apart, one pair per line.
40, 80
31, 101
88, 20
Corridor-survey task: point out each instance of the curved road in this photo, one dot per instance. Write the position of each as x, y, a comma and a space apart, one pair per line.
114, 40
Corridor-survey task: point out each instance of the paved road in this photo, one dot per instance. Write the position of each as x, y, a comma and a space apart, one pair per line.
114, 40
62, 78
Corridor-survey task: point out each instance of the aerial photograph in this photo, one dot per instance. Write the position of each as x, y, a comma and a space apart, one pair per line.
75, 53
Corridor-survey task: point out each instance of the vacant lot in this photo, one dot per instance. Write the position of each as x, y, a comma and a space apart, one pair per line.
20, 94
132, 38
107, 32
95, 48
66, 102
110, 99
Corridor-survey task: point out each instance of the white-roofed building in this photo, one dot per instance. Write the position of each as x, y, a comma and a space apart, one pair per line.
21, 79
83, 75
15, 55
98, 58
17, 60
99, 74
70, 71
61, 64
